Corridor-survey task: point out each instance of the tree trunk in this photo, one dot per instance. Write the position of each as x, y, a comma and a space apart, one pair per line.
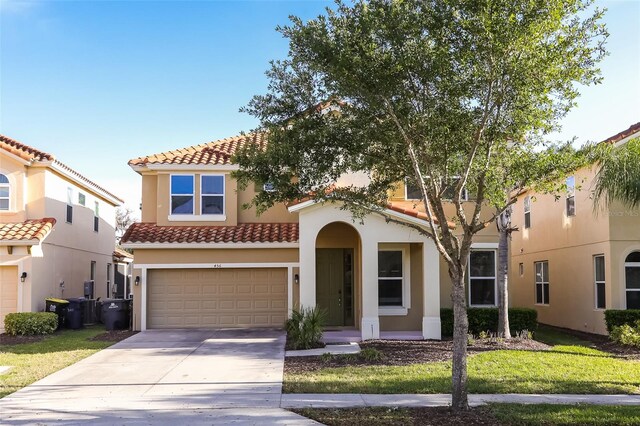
503, 280
460, 329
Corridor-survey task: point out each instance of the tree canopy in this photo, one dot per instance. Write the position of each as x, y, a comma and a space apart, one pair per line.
618, 177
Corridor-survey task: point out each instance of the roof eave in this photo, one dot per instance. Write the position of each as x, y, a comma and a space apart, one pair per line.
231, 245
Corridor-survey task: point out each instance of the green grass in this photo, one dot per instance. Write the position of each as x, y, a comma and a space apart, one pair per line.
563, 369
33, 361
553, 336
544, 414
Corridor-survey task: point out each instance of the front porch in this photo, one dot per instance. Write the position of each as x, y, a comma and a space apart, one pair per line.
375, 280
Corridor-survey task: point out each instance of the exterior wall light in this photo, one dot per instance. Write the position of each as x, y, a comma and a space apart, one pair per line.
137, 280
296, 278
23, 277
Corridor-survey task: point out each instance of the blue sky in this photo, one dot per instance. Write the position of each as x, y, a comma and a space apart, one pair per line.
99, 82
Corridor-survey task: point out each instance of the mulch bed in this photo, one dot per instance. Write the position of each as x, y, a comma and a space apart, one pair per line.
406, 352
114, 335
602, 343
424, 416
5, 339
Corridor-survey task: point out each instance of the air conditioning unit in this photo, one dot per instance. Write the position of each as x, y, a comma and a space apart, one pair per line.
90, 309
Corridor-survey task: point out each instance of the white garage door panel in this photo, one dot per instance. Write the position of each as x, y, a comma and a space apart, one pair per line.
184, 298
8, 292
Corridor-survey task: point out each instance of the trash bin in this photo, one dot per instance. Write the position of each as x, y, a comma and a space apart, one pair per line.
74, 313
115, 314
59, 307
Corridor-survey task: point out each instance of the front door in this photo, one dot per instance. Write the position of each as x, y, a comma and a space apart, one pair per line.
334, 285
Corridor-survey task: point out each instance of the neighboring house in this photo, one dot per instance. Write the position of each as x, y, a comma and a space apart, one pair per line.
121, 285
570, 261
56, 230
201, 260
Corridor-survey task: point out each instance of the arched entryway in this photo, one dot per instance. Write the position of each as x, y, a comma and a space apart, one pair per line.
337, 277
632, 279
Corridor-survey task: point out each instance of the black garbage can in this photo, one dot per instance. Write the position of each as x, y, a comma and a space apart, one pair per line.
74, 313
59, 307
115, 314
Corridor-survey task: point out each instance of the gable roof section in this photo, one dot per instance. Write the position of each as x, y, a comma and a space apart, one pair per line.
30, 231
244, 233
216, 153
23, 151
635, 128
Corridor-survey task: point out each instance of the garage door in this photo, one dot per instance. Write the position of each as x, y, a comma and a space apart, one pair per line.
193, 298
8, 292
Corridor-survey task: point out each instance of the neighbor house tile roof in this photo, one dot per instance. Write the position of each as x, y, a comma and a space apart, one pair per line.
23, 151
242, 233
29, 230
623, 134
211, 153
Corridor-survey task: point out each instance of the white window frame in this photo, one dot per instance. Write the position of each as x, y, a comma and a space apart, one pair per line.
629, 265
181, 216
82, 199
527, 211
8, 197
214, 217
596, 282
495, 278
542, 283
406, 282
571, 195
268, 187
96, 216
69, 204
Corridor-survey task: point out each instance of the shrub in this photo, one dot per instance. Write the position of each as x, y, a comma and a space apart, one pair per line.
304, 328
627, 334
371, 354
485, 320
618, 317
30, 323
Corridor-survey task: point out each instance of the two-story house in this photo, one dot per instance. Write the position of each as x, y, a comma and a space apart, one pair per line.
57, 230
570, 260
201, 260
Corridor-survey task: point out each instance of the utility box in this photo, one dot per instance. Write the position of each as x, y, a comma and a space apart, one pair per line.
88, 289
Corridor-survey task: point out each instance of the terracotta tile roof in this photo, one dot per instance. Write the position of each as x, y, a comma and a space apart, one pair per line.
623, 134
120, 254
23, 151
242, 233
29, 230
86, 180
211, 153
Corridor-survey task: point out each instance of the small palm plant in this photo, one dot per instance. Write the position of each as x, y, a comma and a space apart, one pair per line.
304, 328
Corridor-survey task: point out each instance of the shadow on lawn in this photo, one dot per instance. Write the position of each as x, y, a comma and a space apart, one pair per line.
60, 341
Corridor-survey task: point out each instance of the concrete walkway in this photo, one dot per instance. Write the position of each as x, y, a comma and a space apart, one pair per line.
439, 400
164, 377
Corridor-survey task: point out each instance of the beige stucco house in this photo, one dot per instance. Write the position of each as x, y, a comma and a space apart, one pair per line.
201, 260
57, 230
571, 262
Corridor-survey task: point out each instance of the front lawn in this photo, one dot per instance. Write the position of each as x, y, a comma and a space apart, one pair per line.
571, 368
494, 414
33, 361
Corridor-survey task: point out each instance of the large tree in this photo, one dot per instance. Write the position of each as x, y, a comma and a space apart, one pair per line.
449, 95
618, 176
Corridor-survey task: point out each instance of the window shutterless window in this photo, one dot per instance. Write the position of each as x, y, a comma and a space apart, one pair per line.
571, 196
527, 212
93, 270
108, 280
212, 194
81, 199
632, 279
96, 217
542, 282
182, 194
598, 273
390, 278
69, 205
5, 192
482, 278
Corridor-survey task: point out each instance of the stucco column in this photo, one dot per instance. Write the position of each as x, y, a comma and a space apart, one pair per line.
370, 324
307, 253
431, 291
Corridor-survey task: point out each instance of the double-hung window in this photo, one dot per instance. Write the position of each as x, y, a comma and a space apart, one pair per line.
212, 194
182, 194
69, 205
482, 278
598, 272
5, 192
542, 282
96, 216
527, 212
82, 199
391, 278
571, 196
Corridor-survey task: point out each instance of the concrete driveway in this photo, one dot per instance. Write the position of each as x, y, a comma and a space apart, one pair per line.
154, 377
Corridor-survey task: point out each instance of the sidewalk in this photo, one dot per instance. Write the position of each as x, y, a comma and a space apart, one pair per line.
318, 400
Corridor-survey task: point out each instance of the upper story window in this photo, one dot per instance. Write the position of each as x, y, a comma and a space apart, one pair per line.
82, 200
5, 192
571, 196
69, 205
482, 278
527, 212
182, 194
96, 217
212, 194
268, 187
